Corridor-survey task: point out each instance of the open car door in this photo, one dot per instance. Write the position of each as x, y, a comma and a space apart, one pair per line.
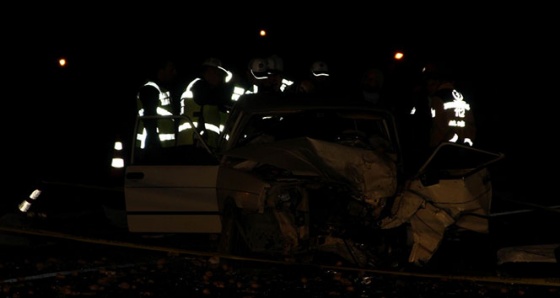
172, 189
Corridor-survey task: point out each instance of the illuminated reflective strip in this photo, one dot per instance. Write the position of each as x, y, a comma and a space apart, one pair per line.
432, 111
163, 112
237, 92
26, 204
320, 74
258, 77
142, 138
285, 83
166, 137
468, 141
186, 126
35, 194
187, 94
454, 138
160, 111
117, 162
164, 97
229, 75
212, 127
456, 123
255, 90
456, 104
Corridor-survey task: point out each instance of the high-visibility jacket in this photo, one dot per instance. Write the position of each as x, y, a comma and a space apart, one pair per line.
165, 128
453, 120
207, 119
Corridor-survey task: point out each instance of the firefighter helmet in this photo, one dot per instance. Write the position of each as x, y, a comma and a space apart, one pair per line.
258, 68
320, 68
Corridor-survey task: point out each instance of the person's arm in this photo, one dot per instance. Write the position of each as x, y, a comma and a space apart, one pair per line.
440, 126
149, 96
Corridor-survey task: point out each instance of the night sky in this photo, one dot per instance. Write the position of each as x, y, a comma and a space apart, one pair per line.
72, 113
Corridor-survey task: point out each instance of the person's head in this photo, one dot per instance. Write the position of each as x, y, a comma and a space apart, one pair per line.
436, 76
162, 69
372, 80
213, 72
257, 70
275, 69
319, 71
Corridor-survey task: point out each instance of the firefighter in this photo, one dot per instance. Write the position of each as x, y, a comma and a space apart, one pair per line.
452, 115
256, 75
277, 80
440, 113
206, 101
319, 80
154, 99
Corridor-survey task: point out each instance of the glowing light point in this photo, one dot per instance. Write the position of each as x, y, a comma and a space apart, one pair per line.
62, 62
262, 33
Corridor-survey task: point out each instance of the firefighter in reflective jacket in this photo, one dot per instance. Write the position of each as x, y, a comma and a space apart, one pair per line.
256, 74
452, 117
206, 101
151, 132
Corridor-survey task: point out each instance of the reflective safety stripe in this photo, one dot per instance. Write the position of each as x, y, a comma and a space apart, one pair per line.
117, 160
165, 130
285, 83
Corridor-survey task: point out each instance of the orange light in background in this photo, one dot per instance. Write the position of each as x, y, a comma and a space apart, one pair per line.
262, 33
398, 55
62, 62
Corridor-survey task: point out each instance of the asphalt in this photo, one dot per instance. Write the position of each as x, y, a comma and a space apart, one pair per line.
40, 263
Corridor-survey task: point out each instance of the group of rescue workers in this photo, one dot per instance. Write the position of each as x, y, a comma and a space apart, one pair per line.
427, 114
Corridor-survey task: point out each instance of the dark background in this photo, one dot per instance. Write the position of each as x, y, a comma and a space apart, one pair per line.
61, 122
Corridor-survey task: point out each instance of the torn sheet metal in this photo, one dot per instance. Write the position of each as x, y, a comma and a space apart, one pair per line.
372, 174
430, 210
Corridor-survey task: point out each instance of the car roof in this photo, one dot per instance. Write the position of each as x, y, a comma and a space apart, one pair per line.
256, 103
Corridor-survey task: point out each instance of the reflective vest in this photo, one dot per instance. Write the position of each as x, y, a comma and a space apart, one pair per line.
208, 119
453, 119
165, 128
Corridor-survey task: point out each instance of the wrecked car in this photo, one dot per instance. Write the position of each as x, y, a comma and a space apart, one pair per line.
295, 175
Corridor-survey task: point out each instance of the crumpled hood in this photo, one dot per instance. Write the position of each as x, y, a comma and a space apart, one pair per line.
372, 173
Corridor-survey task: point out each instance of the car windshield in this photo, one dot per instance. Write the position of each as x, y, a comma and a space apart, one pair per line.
355, 128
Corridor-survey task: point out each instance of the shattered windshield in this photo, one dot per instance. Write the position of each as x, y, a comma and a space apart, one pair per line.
353, 128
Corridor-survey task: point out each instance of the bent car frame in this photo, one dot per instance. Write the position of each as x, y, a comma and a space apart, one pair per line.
295, 175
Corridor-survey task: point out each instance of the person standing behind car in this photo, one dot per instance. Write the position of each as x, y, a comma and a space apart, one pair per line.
319, 80
277, 81
154, 99
371, 85
206, 100
440, 113
256, 79
452, 118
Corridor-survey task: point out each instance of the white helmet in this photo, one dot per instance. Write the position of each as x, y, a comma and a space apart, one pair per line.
258, 68
320, 68
214, 62
217, 63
